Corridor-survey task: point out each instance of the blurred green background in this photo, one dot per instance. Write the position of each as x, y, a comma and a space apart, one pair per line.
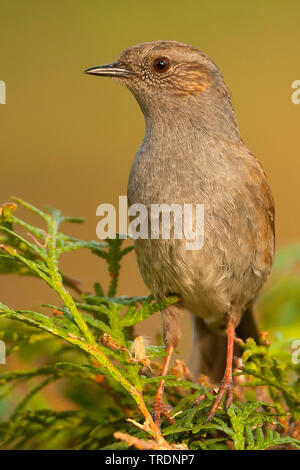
68, 140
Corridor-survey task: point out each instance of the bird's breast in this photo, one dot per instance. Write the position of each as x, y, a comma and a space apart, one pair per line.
237, 252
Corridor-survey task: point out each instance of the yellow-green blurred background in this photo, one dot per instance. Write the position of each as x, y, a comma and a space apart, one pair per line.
68, 139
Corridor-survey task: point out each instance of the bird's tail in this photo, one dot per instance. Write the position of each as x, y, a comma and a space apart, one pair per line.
209, 349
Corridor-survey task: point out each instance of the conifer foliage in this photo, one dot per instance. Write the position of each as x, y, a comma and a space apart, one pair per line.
109, 375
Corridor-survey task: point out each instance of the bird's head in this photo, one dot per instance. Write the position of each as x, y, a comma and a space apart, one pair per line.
170, 76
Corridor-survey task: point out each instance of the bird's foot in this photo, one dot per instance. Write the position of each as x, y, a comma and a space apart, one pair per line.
160, 408
226, 388
199, 399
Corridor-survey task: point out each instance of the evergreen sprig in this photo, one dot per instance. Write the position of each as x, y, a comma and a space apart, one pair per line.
88, 342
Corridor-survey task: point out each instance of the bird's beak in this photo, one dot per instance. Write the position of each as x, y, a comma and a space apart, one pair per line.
115, 69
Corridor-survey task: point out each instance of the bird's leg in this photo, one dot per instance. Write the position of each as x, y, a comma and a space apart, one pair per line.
171, 330
159, 406
226, 387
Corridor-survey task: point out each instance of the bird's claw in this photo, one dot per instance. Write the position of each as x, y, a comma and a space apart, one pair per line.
226, 388
160, 408
199, 399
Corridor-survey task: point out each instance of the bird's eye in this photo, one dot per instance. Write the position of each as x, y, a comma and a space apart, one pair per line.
161, 64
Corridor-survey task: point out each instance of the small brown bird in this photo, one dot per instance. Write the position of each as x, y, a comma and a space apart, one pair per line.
193, 153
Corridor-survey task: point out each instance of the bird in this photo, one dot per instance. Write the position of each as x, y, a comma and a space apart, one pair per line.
193, 153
